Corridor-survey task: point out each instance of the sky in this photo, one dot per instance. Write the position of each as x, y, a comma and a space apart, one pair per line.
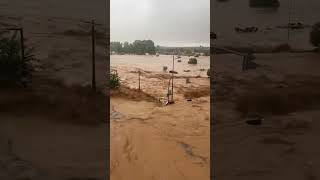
166, 22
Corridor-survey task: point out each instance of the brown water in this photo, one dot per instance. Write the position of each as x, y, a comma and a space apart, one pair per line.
229, 14
149, 141
155, 64
76, 9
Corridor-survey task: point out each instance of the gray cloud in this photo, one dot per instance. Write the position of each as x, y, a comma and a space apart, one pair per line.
167, 22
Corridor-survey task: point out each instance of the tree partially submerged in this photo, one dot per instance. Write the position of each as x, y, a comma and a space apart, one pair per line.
315, 35
193, 61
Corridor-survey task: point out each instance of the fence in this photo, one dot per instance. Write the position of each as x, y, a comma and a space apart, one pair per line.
96, 31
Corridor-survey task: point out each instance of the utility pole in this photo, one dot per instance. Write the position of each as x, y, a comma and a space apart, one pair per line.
93, 58
289, 20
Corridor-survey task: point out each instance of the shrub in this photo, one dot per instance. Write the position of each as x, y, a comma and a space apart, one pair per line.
114, 80
193, 61
165, 68
13, 70
315, 35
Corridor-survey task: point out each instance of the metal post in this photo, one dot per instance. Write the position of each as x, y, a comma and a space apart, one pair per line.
172, 78
139, 80
93, 58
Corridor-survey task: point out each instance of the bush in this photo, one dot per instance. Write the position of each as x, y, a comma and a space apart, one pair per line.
193, 61
13, 70
315, 35
114, 80
165, 68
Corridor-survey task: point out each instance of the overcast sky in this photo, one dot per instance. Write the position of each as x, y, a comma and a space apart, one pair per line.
166, 22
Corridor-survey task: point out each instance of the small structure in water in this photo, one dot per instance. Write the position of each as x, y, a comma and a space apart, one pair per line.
165, 68
246, 30
188, 81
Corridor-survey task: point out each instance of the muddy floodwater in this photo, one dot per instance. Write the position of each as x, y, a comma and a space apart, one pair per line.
155, 64
152, 141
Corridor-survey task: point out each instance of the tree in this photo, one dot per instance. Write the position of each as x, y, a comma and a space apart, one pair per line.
315, 35
138, 47
116, 47
13, 69
126, 48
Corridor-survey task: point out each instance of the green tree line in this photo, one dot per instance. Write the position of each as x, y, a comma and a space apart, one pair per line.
139, 47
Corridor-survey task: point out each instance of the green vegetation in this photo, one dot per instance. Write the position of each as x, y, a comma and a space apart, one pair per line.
114, 80
13, 70
315, 35
184, 51
264, 3
137, 47
193, 61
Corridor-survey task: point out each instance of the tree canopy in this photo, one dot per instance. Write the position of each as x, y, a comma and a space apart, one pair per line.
139, 47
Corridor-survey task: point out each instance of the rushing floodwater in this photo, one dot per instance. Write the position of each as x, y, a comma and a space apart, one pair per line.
229, 14
75, 9
155, 64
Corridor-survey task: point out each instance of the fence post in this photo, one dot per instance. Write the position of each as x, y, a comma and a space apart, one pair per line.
139, 80
93, 58
22, 43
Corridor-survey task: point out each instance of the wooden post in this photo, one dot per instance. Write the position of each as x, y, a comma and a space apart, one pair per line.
93, 58
22, 44
139, 80
172, 78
